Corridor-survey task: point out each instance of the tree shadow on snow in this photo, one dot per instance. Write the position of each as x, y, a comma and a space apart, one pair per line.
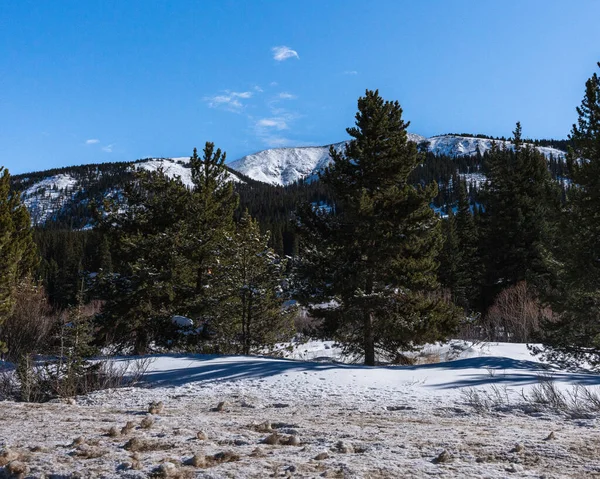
212, 368
178, 370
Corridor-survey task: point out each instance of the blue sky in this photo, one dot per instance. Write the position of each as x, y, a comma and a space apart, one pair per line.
96, 81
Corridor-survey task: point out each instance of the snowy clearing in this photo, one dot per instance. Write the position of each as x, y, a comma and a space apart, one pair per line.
344, 420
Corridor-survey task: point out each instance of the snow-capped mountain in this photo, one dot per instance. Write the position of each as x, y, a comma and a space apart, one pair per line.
452, 145
49, 196
283, 166
56, 193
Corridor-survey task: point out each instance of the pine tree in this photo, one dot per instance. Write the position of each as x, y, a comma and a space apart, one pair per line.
519, 205
252, 317
470, 263
146, 288
18, 253
373, 264
451, 258
575, 338
209, 222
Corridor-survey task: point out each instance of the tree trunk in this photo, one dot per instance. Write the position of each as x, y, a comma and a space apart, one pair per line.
369, 340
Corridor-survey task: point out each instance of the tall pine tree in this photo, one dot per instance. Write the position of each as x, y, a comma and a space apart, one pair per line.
520, 203
371, 267
209, 222
575, 338
17, 250
146, 287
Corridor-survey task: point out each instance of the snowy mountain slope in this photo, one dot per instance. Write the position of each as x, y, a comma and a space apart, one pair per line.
175, 167
51, 195
452, 145
283, 166
47, 197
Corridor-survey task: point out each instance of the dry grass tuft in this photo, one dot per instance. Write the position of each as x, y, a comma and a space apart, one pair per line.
443, 457
88, 452
147, 422
155, 407
78, 441
16, 469
7, 456
127, 428
135, 444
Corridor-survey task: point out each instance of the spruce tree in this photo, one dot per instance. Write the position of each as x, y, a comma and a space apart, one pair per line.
451, 258
18, 254
470, 264
209, 222
252, 317
520, 203
575, 338
146, 288
370, 269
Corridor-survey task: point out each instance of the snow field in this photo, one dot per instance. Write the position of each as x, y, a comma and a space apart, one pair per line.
350, 421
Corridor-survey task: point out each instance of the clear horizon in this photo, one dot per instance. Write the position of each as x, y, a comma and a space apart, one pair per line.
94, 82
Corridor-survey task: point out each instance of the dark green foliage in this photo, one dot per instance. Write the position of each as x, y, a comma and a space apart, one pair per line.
251, 317
146, 288
208, 222
165, 247
18, 254
374, 262
520, 203
575, 338
459, 260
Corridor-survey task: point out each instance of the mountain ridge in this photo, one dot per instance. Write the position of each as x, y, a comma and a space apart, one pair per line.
49, 192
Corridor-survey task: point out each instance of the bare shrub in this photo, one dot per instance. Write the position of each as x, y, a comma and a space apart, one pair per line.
27, 329
483, 400
37, 381
516, 315
306, 324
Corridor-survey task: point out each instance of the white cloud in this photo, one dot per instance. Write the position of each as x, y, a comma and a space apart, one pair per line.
273, 83
92, 141
283, 53
108, 148
277, 123
350, 72
276, 141
229, 100
286, 96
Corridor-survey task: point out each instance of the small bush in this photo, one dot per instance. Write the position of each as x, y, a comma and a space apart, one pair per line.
27, 329
516, 315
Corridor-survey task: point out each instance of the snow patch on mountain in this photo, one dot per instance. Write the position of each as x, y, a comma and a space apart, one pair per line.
283, 166
47, 197
176, 168
451, 145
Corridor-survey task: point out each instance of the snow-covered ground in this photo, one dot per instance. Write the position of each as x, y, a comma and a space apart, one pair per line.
329, 420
